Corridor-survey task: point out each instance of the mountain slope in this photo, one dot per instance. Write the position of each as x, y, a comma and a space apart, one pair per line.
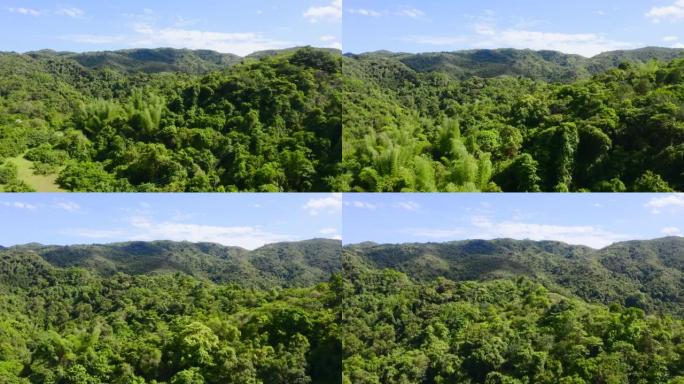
645, 274
282, 264
514, 331
146, 60
540, 65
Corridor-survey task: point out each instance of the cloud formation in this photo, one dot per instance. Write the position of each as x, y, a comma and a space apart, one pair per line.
24, 11
331, 204
18, 205
248, 237
147, 35
588, 235
668, 203
71, 12
674, 12
410, 12
671, 231
327, 13
69, 206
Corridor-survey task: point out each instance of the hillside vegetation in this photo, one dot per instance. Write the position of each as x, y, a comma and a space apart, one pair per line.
172, 120
71, 314
297, 264
508, 330
514, 121
648, 275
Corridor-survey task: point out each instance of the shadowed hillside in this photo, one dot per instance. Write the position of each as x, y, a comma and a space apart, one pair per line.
644, 274
297, 264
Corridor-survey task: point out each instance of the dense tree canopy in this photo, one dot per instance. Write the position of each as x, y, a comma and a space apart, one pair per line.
426, 127
513, 331
70, 325
267, 124
645, 274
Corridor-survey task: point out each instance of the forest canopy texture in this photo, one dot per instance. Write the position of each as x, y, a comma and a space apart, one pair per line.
514, 121
176, 313
411, 315
170, 120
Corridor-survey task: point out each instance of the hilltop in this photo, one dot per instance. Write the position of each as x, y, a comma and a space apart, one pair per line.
645, 274
288, 264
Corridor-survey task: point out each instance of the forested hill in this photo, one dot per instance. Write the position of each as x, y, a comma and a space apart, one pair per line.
275, 320
406, 130
144, 121
151, 60
644, 274
539, 65
504, 331
292, 264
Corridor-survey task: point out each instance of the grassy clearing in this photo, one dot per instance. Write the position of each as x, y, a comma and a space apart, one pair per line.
39, 182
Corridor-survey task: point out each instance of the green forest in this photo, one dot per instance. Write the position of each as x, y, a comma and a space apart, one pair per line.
161, 321
504, 324
513, 121
170, 120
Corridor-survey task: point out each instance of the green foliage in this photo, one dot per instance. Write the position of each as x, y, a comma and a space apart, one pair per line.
78, 325
307, 263
645, 274
501, 331
196, 121
461, 122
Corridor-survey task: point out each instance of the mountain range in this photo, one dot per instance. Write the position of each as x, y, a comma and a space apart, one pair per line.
288, 264
146, 60
645, 274
540, 65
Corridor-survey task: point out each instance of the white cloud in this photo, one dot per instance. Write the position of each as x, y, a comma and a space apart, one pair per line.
183, 22
671, 202
332, 41
413, 13
488, 35
365, 12
407, 205
93, 233
585, 44
671, 231
327, 13
24, 11
70, 12
435, 40
360, 204
434, 233
243, 236
670, 39
330, 233
95, 39
330, 204
19, 205
69, 206
147, 35
674, 12
588, 235
327, 231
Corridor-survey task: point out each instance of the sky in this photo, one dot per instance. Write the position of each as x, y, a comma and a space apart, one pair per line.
235, 26
585, 27
592, 219
245, 220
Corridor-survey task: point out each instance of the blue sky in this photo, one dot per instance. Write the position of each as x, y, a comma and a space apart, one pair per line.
585, 27
246, 220
234, 26
595, 219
